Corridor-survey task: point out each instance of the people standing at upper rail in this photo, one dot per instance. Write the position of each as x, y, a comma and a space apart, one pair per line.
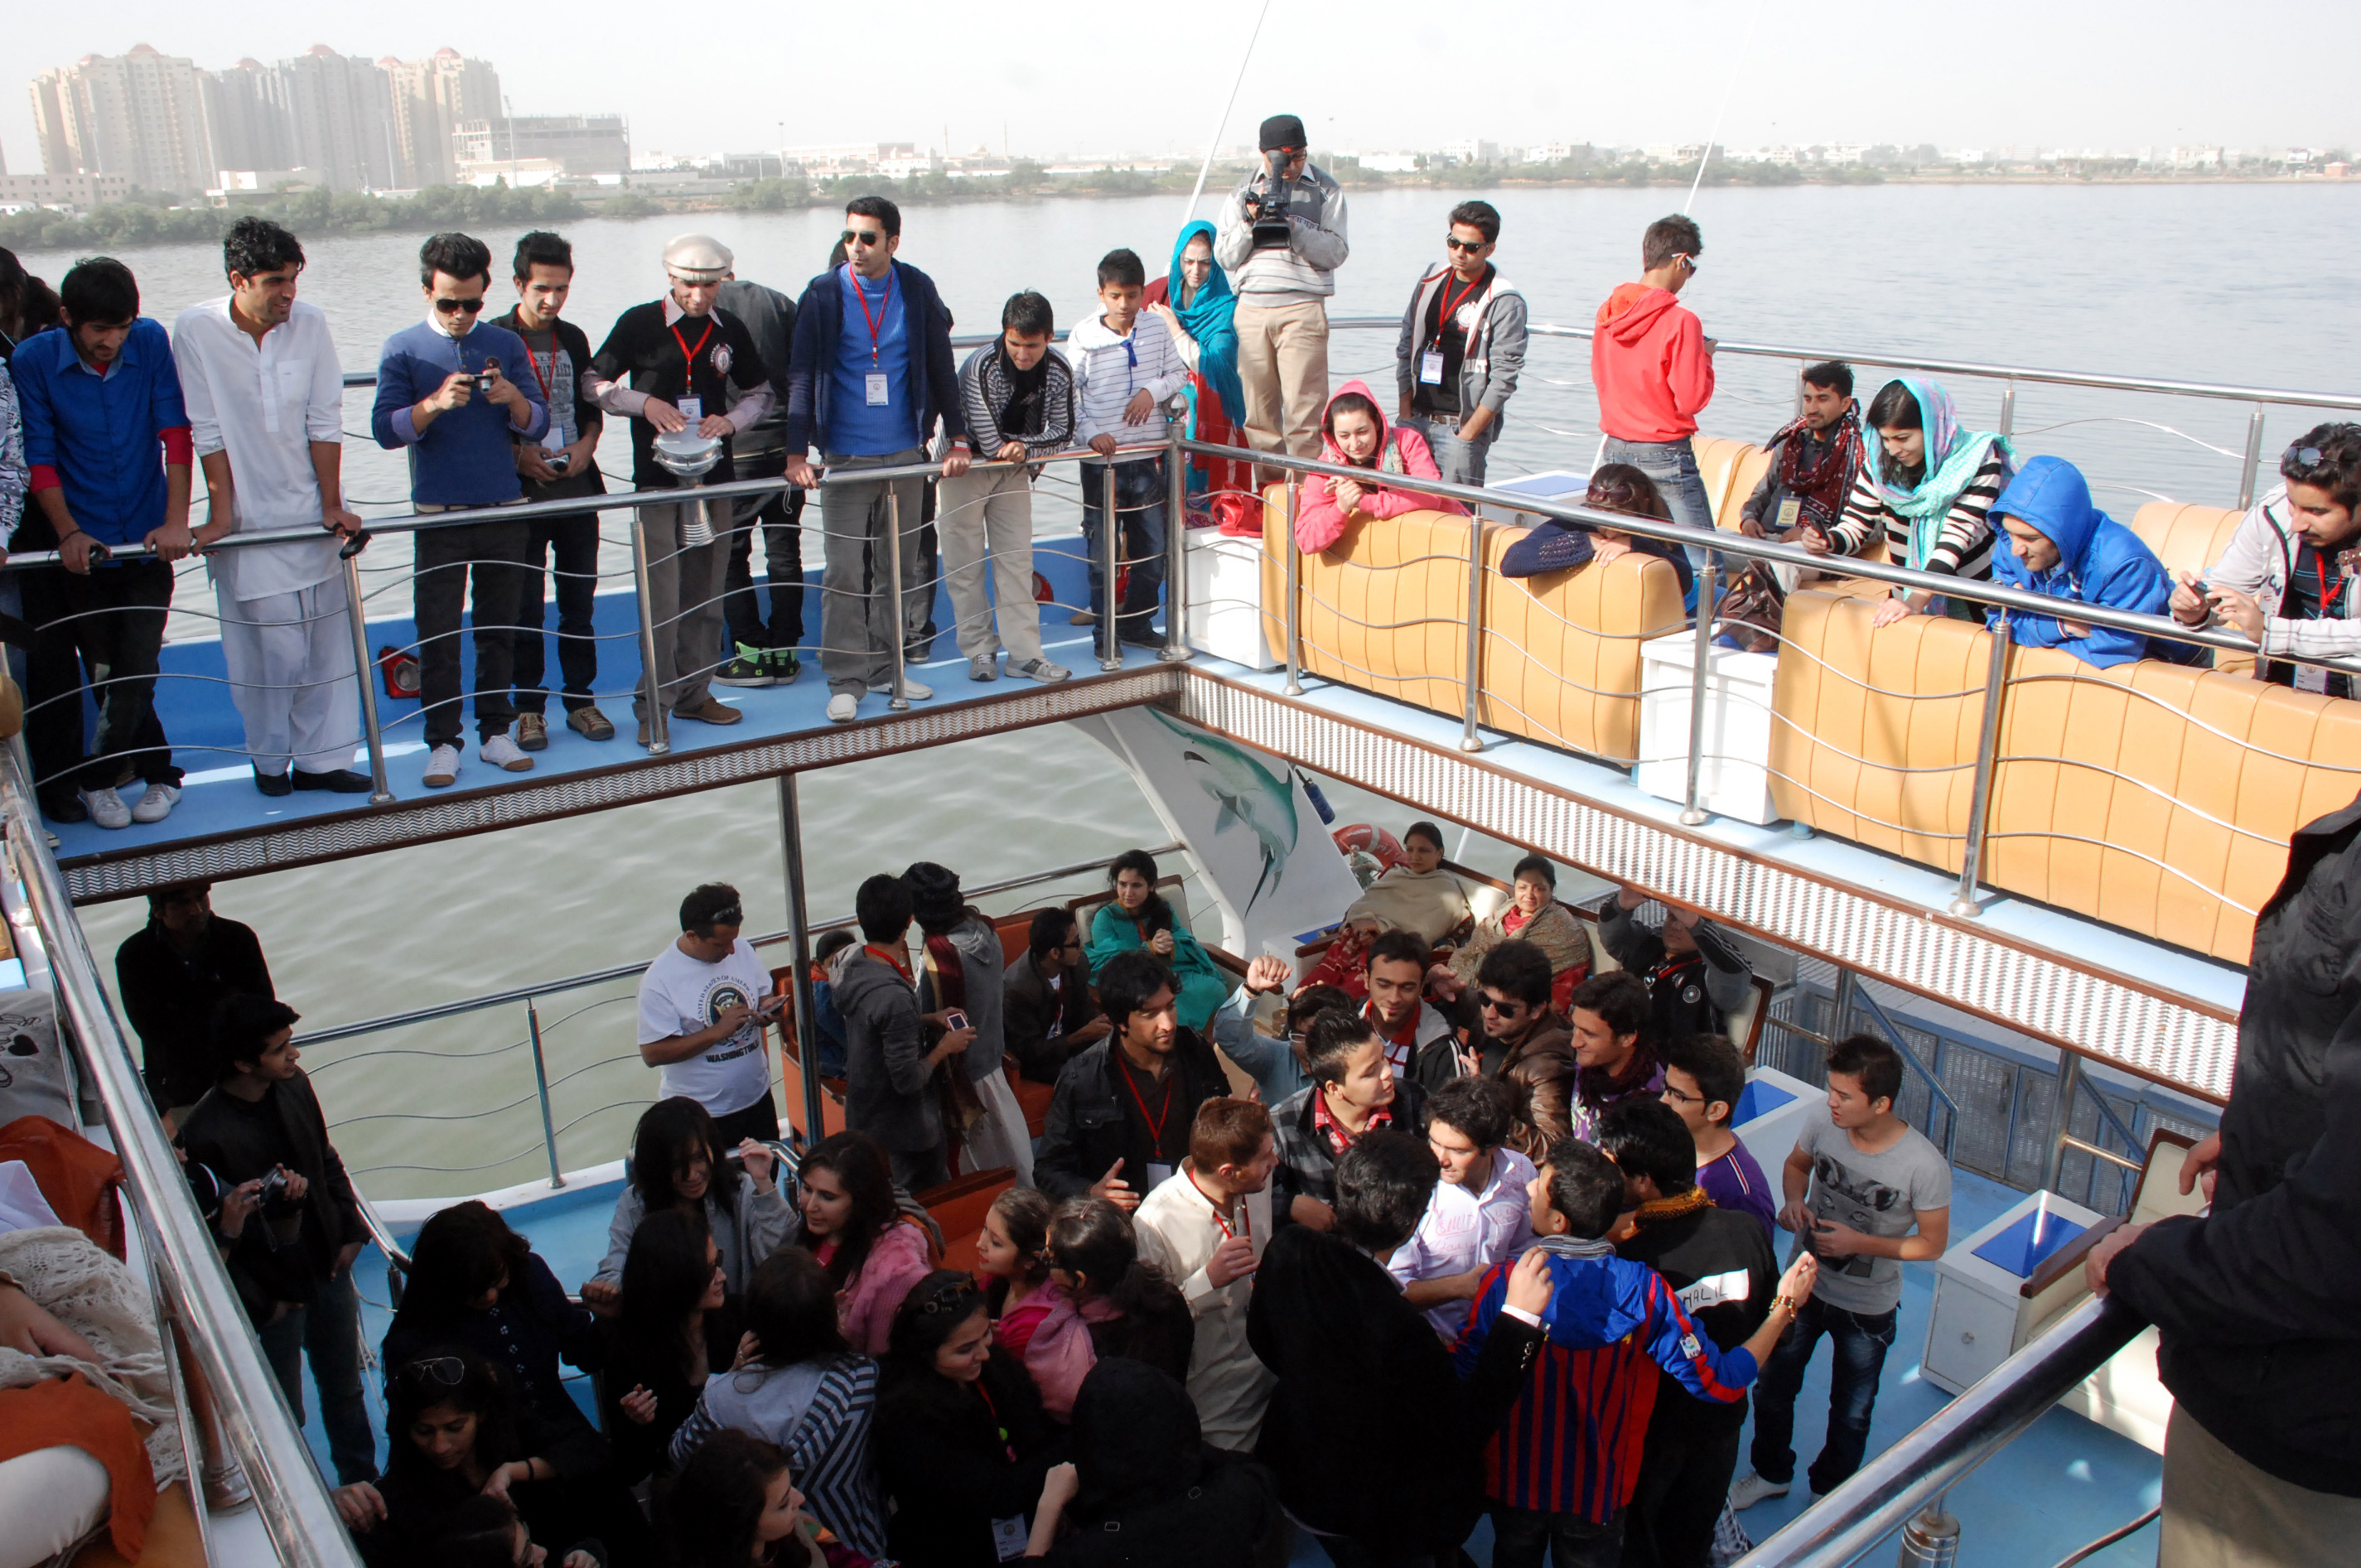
1926, 490
867, 396
2283, 581
1653, 366
1125, 371
1199, 308
1462, 347
1281, 239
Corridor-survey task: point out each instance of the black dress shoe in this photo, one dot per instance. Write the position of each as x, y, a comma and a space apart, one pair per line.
272, 785
344, 781
67, 808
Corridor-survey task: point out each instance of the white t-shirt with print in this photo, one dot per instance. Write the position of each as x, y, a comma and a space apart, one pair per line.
681, 995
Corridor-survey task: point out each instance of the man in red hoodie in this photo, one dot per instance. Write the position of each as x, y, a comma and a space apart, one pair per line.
1653, 367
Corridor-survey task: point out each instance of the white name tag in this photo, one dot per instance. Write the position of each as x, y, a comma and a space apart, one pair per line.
1718, 1290
2311, 678
1791, 509
553, 439
1008, 1538
1430, 368
692, 409
878, 394
1158, 1173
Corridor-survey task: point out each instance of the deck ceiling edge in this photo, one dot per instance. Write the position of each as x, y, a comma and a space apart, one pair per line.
2143, 1029
373, 829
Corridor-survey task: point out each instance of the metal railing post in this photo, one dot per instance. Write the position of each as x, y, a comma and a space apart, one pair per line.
791, 846
1176, 545
2254, 460
651, 688
1801, 365
1971, 853
1468, 739
2061, 1117
1294, 556
541, 1087
1110, 536
372, 730
1693, 813
2008, 407
1931, 1540
901, 697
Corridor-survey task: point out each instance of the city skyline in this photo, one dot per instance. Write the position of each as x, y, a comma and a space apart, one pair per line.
2157, 85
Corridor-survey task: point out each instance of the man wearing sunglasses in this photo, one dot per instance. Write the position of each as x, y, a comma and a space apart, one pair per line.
872, 373
1653, 366
1462, 347
2286, 579
1523, 1042
442, 394
704, 1002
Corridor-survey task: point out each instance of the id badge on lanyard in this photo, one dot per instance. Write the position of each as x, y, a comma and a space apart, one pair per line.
1008, 1538
1430, 368
878, 382
1791, 511
691, 410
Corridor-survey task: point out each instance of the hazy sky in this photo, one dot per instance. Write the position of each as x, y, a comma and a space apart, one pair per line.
1063, 76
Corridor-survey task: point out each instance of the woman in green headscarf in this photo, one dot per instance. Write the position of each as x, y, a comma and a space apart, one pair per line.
1196, 300
1927, 490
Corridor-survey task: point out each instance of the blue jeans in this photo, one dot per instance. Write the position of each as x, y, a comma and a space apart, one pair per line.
1461, 461
1139, 499
1672, 465
328, 1330
1860, 1341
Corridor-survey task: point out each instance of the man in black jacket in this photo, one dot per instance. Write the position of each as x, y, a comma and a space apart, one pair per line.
172, 973
1048, 1012
1376, 1442
1719, 1261
1119, 1123
2255, 1300
294, 1268
872, 373
1695, 973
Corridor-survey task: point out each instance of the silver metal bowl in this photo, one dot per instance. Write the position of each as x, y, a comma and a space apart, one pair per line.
688, 453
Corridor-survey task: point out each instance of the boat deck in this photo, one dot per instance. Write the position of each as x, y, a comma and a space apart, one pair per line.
2064, 1483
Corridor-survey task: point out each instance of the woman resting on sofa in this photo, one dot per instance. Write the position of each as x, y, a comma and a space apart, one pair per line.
1553, 546
1355, 435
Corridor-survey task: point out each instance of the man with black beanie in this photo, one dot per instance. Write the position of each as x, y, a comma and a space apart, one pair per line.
1281, 237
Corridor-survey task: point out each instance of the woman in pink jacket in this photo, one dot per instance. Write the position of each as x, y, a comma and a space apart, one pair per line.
1356, 435
854, 1225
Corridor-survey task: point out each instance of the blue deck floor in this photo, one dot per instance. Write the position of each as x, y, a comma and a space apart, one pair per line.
2064, 1483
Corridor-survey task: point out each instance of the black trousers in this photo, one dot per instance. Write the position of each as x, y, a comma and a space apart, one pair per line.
760, 1120
495, 554
780, 520
570, 546
107, 625
1683, 1483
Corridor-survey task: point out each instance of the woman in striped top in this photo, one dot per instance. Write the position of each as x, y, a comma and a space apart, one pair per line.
1928, 491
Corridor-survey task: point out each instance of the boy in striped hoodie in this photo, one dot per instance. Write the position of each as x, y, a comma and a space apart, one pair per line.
1127, 368
1562, 1466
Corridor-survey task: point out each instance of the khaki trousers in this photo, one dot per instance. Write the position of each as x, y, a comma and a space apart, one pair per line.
2222, 1512
1283, 360
985, 523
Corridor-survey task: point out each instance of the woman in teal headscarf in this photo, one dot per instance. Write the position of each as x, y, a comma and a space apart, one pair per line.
1927, 491
1196, 300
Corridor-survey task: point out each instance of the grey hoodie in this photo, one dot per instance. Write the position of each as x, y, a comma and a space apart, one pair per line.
1496, 349
889, 1090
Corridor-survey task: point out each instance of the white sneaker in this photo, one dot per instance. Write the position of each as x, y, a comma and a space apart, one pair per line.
441, 768
106, 807
1043, 671
503, 752
157, 804
843, 708
1751, 1488
912, 689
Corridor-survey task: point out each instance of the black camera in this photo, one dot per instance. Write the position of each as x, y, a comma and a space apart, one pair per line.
274, 1188
1269, 202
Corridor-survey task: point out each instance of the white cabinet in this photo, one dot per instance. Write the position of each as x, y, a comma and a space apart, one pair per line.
1992, 1292
1225, 597
1735, 780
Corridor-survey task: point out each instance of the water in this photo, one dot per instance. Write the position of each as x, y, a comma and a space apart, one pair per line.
2248, 284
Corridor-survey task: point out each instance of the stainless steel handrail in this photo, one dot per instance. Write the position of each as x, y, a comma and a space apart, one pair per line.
263, 1436
1888, 1490
624, 972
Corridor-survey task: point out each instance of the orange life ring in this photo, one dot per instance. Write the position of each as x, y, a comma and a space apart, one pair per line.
1374, 843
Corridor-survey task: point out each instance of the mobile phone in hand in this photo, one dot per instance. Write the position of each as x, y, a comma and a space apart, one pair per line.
954, 1019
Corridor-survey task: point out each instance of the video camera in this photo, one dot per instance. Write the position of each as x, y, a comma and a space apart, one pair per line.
1267, 201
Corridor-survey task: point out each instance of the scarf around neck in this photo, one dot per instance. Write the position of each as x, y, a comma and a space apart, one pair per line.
1210, 318
1952, 459
1821, 484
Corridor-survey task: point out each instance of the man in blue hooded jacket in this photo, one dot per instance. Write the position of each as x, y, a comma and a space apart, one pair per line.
2061, 545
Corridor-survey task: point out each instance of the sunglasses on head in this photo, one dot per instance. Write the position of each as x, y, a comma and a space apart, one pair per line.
733, 915
958, 1298
2300, 462
447, 1370
453, 307
1456, 243
863, 236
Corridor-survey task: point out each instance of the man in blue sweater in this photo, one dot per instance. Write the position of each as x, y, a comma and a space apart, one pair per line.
871, 372
441, 392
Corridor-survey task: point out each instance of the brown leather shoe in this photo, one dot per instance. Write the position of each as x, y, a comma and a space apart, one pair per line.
591, 724
710, 709
532, 732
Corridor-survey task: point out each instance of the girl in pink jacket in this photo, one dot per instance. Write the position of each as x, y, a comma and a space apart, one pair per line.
1356, 435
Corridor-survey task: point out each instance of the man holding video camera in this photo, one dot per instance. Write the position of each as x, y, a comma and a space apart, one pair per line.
703, 1005
1281, 238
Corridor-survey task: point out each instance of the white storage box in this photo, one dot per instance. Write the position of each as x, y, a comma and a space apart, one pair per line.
1992, 1292
1736, 779
1225, 597
1771, 1114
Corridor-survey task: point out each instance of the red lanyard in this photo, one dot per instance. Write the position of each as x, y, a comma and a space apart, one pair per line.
1451, 306
887, 956
2328, 591
687, 355
1245, 1225
1156, 1122
884, 308
535, 360
998, 1430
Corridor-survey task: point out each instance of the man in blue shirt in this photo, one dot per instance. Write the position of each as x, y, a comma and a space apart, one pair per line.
441, 392
872, 373
99, 394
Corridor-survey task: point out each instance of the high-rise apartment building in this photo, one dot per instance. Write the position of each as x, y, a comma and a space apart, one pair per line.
432, 98
140, 115
247, 117
340, 111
